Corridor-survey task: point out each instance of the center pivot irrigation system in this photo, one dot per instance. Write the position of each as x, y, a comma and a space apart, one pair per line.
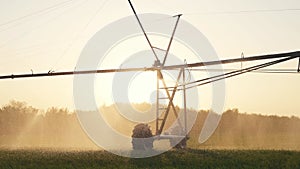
162, 113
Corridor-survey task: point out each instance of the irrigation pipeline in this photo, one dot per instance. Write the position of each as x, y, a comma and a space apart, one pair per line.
288, 55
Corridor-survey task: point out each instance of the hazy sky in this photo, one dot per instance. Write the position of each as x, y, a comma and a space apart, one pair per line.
43, 36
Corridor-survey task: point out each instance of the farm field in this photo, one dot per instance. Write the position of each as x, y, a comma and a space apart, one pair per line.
221, 159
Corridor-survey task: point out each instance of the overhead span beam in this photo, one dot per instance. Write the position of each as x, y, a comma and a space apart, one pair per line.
199, 64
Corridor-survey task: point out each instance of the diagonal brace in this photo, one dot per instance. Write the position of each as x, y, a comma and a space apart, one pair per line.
171, 104
171, 40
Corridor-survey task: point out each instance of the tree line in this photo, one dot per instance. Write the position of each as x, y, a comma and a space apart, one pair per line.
25, 126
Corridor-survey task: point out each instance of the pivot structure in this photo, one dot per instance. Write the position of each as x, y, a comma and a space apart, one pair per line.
162, 111
178, 137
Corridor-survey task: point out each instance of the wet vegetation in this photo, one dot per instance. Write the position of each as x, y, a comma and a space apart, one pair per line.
173, 159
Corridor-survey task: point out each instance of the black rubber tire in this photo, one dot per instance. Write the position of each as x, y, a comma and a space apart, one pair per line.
178, 143
142, 137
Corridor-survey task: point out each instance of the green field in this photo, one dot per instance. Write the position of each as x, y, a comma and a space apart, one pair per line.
172, 159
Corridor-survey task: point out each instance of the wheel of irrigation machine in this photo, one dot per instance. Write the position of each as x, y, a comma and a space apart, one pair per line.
141, 137
178, 143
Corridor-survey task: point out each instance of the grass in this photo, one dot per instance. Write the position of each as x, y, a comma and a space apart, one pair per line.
214, 159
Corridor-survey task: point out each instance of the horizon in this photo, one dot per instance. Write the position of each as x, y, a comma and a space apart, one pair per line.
70, 111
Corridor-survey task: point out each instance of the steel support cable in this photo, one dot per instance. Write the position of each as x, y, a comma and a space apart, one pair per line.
233, 72
36, 12
38, 26
244, 11
26, 20
246, 59
277, 71
145, 34
240, 71
71, 43
262, 70
266, 71
222, 77
64, 9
